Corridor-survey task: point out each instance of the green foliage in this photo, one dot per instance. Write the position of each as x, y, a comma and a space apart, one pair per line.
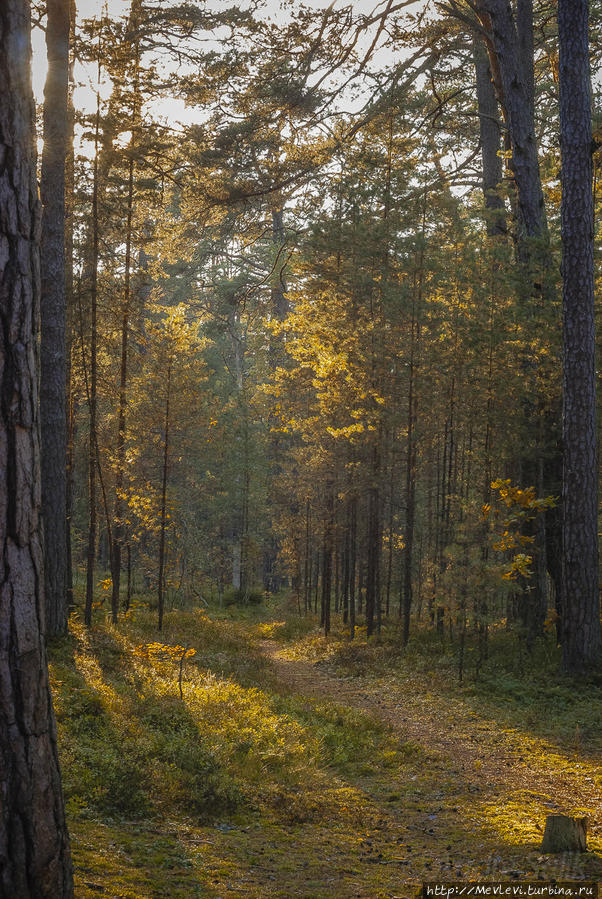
240, 597
379, 772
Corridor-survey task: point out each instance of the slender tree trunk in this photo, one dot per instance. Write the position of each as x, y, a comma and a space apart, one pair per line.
390, 538
128, 598
160, 597
373, 558
345, 570
352, 564
327, 572
123, 376
92, 448
70, 311
34, 843
412, 420
53, 346
276, 354
581, 604
307, 566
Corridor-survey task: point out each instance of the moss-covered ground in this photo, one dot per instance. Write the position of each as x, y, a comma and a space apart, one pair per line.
239, 753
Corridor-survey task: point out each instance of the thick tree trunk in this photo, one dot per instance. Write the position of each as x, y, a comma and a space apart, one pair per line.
516, 84
564, 834
34, 844
581, 605
490, 135
53, 308
511, 50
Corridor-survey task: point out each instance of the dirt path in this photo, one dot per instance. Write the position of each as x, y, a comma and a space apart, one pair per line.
471, 754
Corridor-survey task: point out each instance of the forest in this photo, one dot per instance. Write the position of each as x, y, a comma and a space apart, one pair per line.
299, 518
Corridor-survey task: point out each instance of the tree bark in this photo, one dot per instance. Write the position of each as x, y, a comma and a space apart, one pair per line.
490, 136
34, 843
516, 86
160, 602
581, 605
92, 450
352, 564
70, 308
510, 48
564, 834
53, 410
118, 529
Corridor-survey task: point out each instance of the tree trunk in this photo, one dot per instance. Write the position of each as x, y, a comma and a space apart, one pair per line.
373, 557
564, 834
34, 843
352, 564
160, 597
307, 566
581, 605
53, 382
123, 375
70, 311
509, 48
92, 451
490, 135
276, 355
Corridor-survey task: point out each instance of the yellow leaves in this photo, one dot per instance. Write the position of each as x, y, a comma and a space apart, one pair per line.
347, 433
395, 540
509, 541
511, 495
523, 498
523, 506
163, 652
520, 566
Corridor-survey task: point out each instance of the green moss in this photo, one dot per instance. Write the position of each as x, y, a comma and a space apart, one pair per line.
242, 786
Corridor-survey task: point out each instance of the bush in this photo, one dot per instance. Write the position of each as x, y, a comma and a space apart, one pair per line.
243, 597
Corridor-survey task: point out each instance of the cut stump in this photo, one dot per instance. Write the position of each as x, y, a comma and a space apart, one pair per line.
564, 834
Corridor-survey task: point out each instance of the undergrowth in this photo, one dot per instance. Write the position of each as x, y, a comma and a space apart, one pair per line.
131, 746
510, 684
190, 769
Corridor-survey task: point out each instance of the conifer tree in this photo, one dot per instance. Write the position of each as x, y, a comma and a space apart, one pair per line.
34, 843
581, 602
53, 306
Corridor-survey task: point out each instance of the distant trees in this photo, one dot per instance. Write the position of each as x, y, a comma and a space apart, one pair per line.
34, 844
375, 297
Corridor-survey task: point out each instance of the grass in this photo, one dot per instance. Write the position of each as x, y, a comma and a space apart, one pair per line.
246, 785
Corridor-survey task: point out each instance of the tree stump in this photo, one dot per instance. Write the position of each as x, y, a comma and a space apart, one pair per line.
564, 834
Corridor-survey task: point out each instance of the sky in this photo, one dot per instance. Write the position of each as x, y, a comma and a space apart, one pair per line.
85, 93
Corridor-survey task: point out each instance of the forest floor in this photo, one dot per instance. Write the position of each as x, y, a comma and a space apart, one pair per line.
295, 766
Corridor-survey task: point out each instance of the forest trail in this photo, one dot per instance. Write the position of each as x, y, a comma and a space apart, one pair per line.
487, 755
475, 770
329, 770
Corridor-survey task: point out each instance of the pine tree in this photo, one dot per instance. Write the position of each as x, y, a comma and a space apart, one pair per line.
34, 843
